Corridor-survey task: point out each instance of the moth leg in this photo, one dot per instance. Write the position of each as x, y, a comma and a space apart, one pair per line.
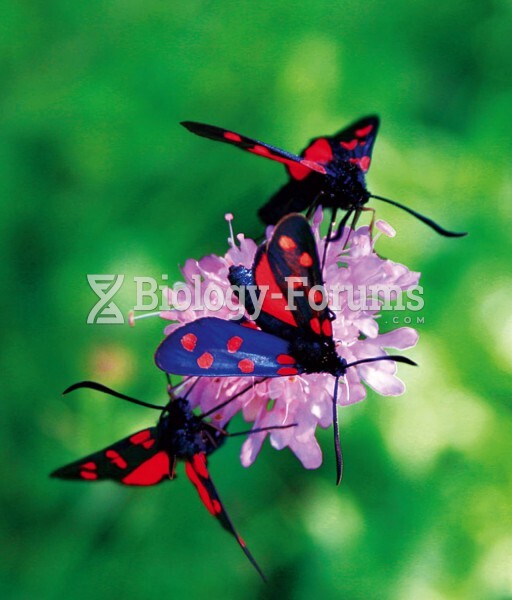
352, 226
172, 470
259, 429
217, 428
328, 237
372, 222
314, 205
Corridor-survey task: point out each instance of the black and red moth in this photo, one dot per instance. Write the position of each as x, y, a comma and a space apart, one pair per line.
329, 172
149, 456
285, 342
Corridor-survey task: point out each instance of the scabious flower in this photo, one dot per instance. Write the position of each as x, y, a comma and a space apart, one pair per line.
306, 399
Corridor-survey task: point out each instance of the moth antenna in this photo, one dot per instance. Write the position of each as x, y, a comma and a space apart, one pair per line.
231, 239
393, 357
259, 429
429, 222
132, 318
337, 442
99, 387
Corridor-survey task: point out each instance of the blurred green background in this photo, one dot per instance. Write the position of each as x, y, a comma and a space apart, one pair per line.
97, 176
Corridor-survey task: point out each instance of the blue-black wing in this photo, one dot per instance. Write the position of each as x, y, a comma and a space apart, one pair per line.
214, 347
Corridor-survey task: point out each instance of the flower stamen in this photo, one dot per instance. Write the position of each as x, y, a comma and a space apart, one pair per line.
231, 239
132, 318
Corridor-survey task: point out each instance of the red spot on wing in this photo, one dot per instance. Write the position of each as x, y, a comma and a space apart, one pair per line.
349, 145
234, 137
234, 343
286, 359
287, 371
313, 166
116, 459
274, 302
298, 170
189, 341
241, 541
305, 259
205, 361
199, 462
250, 324
203, 492
315, 325
363, 163
327, 328
246, 365
150, 471
364, 131
217, 507
87, 471
142, 438
263, 151
319, 152
287, 243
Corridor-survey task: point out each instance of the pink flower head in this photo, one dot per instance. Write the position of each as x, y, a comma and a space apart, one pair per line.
358, 282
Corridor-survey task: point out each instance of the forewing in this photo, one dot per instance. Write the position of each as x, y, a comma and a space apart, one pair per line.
135, 460
197, 471
289, 266
214, 347
294, 163
355, 143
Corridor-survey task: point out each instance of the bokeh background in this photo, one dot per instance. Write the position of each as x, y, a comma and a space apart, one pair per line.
96, 176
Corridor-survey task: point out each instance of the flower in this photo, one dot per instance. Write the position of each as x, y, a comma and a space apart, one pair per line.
306, 400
